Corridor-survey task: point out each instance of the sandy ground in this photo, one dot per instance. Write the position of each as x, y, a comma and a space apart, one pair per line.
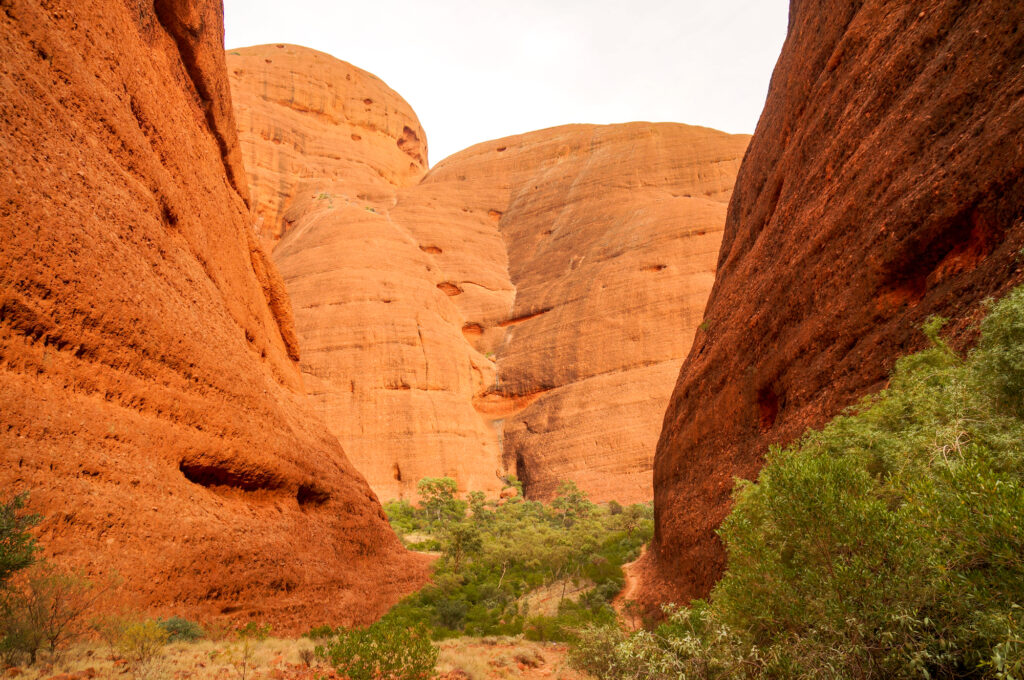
624, 603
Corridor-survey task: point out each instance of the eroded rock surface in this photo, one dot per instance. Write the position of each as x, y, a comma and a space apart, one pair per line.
308, 120
151, 399
523, 308
884, 184
606, 237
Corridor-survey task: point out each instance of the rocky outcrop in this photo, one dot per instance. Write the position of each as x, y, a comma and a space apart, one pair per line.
522, 308
308, 121
151, 401
884, 184
602, 242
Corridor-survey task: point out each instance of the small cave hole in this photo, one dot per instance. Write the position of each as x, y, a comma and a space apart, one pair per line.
767, 407
396, 472
170, 218
449, 289
213, 475
522, 472
311, 495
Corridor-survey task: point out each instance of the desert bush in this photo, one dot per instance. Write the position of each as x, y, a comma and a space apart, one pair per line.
385, 650
141, 643
110, 627
319, 632
887, 545
241, 653
44, 608
307, 655
181, 630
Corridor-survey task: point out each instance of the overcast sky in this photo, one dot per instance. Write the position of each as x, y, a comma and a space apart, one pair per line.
475, 70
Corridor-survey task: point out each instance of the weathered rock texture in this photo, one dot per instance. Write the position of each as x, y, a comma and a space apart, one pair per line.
884, 184
525, 307
609, 235
308, 120
151, 399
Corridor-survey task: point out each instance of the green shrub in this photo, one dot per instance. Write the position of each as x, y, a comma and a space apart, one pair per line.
17, 546
319, 632
384, 651
497, 553
181, 630
890, 544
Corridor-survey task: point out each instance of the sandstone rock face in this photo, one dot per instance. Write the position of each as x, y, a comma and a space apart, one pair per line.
884, 184
151, 399
609, 235
524, 307
309, 120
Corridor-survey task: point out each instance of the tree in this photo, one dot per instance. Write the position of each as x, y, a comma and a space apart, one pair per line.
571, 502
478, 504
460, 541
437, 498
17, 546
45, 607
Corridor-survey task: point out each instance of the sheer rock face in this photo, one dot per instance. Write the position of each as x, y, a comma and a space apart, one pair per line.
308, 120
609, 236
524, 307
151, 399
883, 185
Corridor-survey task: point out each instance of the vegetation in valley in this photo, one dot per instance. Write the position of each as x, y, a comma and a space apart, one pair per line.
890, 544
512, 566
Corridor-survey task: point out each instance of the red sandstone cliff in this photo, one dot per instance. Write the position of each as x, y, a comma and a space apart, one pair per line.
525, 307
884, 184
150, 395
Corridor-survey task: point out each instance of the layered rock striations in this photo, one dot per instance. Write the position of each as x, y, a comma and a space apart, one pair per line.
524, 307
151, 397
884, 184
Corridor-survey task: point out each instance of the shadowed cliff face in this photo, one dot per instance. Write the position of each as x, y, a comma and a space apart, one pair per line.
883, 185
151, 399
523, 308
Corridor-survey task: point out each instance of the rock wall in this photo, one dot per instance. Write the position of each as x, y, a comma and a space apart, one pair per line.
609, 235
308, 120
524, 307
884, 184
151, 399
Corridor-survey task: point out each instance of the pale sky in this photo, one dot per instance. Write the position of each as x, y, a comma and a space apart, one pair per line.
476, 70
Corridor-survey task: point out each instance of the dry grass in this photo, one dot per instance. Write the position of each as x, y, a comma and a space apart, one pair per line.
495, 658
544, 601
204, 660
282, 659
